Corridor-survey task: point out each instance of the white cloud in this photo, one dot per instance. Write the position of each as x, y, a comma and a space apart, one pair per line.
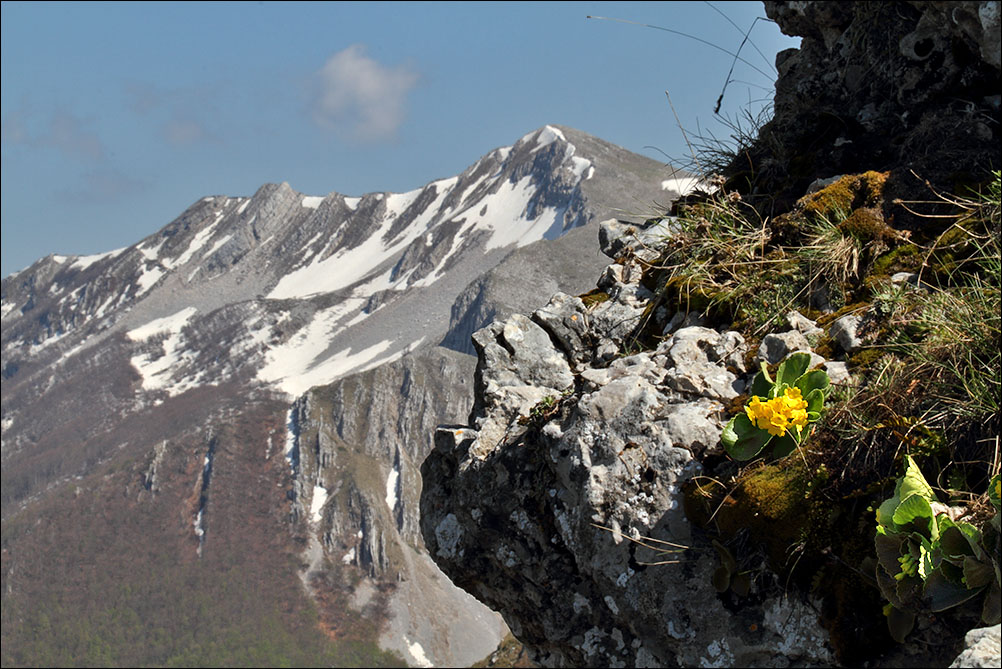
361, 98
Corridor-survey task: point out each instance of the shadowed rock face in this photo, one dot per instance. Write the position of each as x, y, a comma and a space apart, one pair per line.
888, 86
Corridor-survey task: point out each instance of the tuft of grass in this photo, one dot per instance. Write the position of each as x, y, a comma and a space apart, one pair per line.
829, 252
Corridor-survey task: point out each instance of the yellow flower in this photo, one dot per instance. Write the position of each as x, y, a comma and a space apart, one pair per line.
778, 415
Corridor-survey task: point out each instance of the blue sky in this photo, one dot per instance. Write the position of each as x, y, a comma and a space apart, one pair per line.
117, 116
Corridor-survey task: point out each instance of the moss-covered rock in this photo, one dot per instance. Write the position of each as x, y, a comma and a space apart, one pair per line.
848, 193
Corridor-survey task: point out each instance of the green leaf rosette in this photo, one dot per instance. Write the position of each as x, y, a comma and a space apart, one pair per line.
779, 413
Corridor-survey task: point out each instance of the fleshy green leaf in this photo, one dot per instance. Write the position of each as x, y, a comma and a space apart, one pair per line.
953, 573
900, 623
915, 511
815, 380
761, 384
910, 484
943, 595
913, 483
765, 372
976, 573
990, 613
953, 540
793, 368
726, 558
741, 584
888, 550
815, 402
729, 436
746, 440
721, 579
888, 586
885, 513
783, 446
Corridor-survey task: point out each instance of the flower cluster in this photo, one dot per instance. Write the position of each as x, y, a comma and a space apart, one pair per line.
779, 410
777, 415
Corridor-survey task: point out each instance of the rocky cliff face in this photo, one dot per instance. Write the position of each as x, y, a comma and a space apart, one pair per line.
906, 86
560, 504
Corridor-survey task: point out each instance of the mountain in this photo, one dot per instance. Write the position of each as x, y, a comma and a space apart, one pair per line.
240, 403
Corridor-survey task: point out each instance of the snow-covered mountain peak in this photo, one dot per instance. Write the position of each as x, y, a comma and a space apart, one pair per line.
305, 287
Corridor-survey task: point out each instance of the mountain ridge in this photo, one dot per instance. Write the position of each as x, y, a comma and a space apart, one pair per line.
167, 368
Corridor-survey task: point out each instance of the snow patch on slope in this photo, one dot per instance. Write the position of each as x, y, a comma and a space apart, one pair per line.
349, 266
292, 374
83, 262
317, 504
548, 135
392, 482
312, 201
152, 253
148, 279
219, 243
681, 185
155, 369
169, 324
197, 242
300, 362
291, 441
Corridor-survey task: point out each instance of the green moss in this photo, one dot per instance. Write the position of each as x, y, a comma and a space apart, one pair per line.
866, 224
770, 502
848, 193
594, 297
905, 258
688, 293
700, 497
865, 358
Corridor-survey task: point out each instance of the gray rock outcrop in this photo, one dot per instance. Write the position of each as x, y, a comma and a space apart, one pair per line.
982, 648
560, 503
886, 86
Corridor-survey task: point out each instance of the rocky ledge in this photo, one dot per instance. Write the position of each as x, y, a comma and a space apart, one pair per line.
560, 505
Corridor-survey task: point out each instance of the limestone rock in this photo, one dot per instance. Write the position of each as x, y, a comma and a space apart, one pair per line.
981, 648
838, 372
797, 321
775, 347
617, 239
876, 85
542, 508
844, 331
